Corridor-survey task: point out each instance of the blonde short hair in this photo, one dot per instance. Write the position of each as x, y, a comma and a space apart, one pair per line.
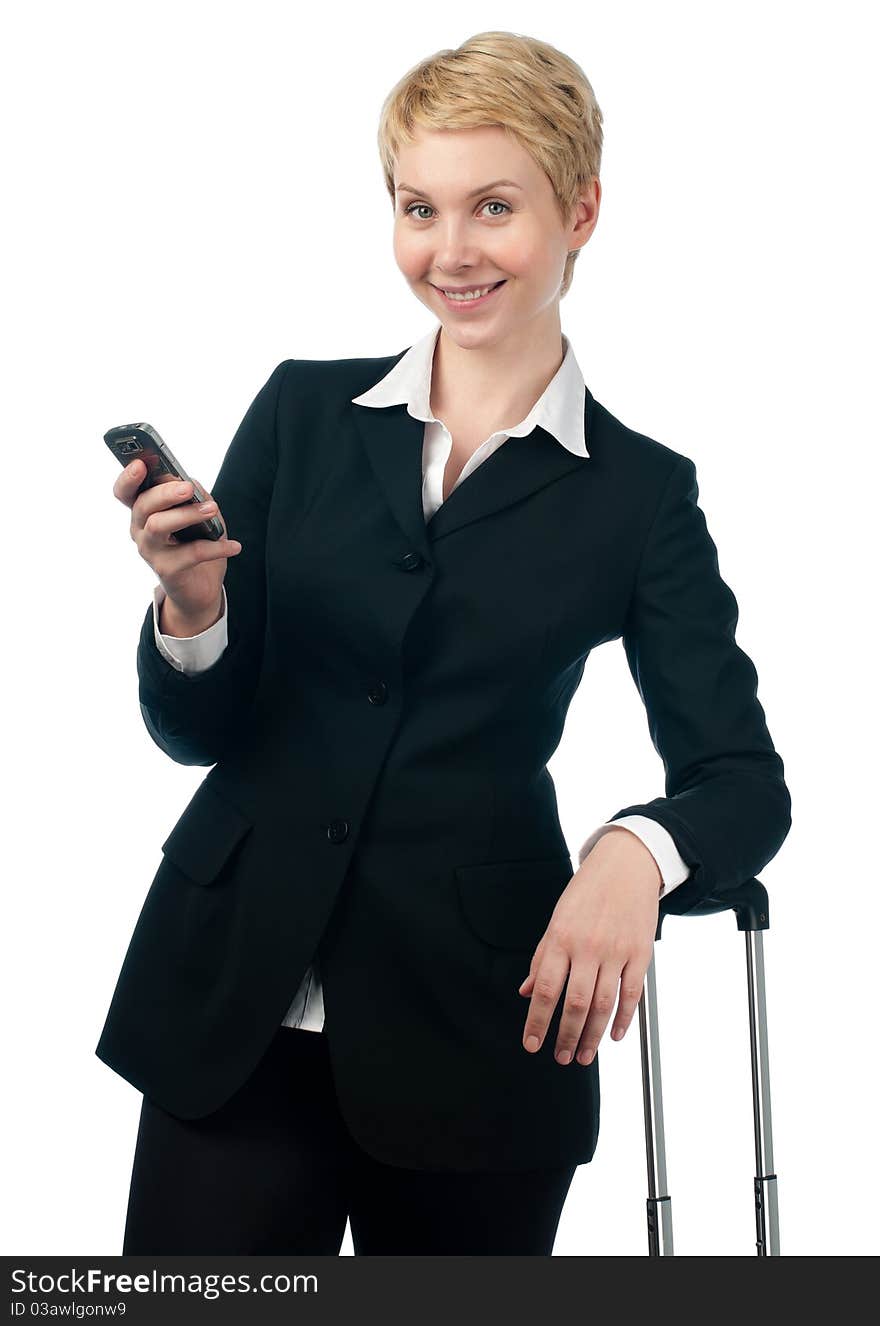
540, 96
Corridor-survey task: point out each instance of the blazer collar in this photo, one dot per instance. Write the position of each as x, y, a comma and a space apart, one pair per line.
549, 443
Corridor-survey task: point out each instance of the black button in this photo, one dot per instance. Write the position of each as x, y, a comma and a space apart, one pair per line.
410, 561
378, 693
337, 831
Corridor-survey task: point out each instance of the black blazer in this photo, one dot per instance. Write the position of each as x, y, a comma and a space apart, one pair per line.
380, 725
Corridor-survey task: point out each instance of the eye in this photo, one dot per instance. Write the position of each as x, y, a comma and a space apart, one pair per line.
492, 202
496, 202
408, 211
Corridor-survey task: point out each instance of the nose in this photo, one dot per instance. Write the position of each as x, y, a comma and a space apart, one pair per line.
455, 253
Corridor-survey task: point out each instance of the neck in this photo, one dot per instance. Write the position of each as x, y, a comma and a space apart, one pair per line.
500, 382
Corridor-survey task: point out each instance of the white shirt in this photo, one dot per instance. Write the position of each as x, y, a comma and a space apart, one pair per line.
560, 410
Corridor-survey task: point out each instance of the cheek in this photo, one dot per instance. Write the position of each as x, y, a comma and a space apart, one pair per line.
526, 256
409, 255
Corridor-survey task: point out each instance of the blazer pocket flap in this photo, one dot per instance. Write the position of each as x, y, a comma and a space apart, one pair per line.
204, 837
509, 903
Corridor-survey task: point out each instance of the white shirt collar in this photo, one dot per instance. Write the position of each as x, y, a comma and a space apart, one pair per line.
559, 410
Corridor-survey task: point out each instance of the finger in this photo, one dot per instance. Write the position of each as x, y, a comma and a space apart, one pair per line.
128, 481
160, 525
548, 983
168, 491
599, 1014
632, 983
160, 496
197, 490
525, 987
580, 998
174, 496
183, 556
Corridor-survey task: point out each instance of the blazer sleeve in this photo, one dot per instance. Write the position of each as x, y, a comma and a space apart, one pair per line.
194, 716
726, 805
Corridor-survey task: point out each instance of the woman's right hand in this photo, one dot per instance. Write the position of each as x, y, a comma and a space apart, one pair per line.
192, 573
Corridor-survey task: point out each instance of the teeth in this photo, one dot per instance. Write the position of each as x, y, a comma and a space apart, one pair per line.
476, 294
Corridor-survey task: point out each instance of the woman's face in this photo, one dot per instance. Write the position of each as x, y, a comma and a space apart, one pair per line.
450, 231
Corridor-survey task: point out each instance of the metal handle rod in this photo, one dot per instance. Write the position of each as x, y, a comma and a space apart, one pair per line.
766, 1196
659, 1203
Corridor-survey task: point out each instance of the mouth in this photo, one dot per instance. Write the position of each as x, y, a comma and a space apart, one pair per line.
464, 304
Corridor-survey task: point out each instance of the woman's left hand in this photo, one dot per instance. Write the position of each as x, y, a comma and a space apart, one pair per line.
601, 933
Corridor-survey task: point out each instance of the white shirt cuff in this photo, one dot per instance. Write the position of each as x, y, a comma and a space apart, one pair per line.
190, 653
674, 870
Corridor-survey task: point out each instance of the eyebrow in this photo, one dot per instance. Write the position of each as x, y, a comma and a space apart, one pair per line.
484, 188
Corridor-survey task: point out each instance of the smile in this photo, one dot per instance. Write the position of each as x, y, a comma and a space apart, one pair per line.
467, 302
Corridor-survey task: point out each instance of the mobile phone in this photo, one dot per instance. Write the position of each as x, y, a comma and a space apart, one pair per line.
131, 442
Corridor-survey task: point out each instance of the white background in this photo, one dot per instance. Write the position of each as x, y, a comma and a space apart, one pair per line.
193, 194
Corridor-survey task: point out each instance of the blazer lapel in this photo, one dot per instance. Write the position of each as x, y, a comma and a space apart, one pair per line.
393, 441
519, 467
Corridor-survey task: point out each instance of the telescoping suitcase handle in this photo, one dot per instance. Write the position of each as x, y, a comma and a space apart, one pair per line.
748, 901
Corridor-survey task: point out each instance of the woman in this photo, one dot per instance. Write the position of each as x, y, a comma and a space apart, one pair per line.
365, 982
